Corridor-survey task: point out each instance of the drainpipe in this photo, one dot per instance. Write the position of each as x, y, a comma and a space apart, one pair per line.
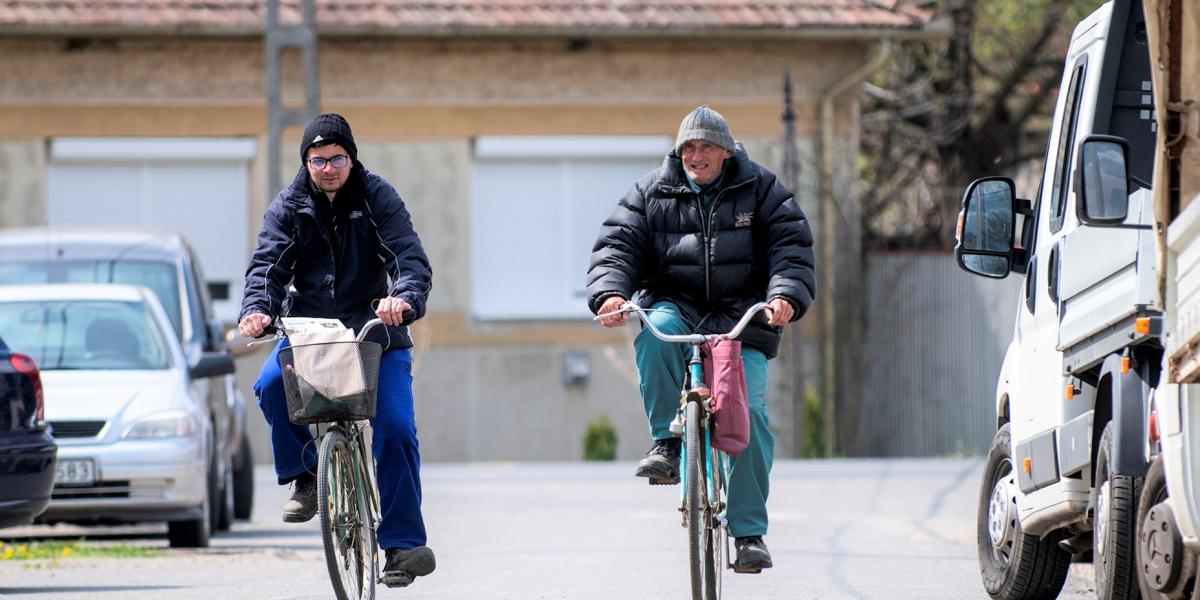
827, 213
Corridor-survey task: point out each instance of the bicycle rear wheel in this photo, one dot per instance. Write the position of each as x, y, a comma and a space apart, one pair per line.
694, 496
345, 524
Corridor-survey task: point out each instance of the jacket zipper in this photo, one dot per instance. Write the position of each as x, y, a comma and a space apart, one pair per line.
707, 224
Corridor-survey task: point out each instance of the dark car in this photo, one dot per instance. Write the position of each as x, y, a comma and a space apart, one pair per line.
27, 452
164, 262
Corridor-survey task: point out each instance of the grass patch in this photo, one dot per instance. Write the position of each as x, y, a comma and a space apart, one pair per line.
70, 549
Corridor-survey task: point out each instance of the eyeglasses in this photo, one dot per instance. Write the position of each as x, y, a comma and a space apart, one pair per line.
338, 161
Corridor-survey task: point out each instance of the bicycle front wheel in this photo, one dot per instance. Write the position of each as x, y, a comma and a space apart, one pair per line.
716, 535
345, 525
694, 496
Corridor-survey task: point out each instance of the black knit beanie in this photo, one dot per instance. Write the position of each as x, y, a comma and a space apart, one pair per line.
329, 128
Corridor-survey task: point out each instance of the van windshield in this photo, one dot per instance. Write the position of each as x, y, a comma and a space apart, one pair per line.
159, 277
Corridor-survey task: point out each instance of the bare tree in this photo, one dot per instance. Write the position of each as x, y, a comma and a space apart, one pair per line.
949, 111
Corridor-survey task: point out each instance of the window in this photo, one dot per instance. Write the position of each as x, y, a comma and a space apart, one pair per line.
85, 334
536, 207
159, 277
1065, 153
196, 186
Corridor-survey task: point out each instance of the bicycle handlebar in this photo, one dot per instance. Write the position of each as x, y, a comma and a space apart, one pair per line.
693, 338
278, 331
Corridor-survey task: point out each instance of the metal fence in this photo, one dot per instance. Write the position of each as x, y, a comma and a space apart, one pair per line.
936, 337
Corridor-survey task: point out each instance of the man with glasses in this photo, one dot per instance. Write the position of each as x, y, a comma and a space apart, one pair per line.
336, 235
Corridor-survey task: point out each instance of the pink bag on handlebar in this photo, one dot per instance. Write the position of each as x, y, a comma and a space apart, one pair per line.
726, 379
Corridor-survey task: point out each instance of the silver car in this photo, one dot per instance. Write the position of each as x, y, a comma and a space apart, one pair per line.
141, 444
164, 262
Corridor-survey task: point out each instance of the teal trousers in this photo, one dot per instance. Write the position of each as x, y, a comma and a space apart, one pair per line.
661, 368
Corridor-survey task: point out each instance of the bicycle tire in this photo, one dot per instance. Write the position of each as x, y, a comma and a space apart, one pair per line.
694, 496
715, 539
345, 533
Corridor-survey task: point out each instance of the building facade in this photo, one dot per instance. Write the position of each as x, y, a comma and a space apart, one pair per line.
509, 128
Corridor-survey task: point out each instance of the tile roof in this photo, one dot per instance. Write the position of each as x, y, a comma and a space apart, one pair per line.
416, 17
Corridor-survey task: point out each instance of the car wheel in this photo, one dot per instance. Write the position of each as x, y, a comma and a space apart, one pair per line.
243, 481
224, 510
195, 533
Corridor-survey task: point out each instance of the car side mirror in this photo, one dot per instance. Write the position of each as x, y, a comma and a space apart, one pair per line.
986, 226
1102, 181
212, 364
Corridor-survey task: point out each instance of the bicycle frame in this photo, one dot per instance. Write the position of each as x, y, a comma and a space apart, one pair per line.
716, 463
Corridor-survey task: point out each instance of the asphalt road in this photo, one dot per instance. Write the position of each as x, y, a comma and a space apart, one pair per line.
840, 529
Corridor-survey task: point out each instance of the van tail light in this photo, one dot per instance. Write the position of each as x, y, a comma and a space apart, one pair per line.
25, 366
1153, 426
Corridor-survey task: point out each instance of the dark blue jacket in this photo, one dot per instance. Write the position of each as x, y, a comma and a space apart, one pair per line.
751, 244
338, 273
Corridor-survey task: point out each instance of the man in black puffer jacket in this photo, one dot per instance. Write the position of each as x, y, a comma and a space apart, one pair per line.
337, 234
701, 239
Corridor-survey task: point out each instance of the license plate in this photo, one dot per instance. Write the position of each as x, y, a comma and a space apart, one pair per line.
75, 471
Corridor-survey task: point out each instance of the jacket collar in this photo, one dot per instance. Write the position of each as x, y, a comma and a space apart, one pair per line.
302, 196
674, 181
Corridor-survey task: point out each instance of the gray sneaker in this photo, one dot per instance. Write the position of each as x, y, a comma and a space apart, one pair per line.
405, 565
303, 503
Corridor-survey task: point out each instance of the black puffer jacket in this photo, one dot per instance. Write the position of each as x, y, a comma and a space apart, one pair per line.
336, 274
756, 245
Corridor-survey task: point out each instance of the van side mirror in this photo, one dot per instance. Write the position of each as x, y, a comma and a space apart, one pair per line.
986, 226
1102, 181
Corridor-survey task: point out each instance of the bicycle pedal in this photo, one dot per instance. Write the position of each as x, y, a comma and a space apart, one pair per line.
747, 571
397, 579
656, 481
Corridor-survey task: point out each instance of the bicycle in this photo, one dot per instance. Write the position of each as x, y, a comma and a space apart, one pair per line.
702, 505
347, 495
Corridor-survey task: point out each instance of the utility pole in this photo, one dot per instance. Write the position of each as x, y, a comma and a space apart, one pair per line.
303, 37
791, 178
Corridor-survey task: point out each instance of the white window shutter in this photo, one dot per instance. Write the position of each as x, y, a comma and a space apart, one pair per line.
536, 207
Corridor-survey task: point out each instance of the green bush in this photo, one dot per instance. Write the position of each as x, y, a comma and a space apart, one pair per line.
600, 440
814, 425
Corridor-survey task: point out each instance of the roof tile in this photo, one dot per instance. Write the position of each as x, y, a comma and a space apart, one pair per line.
468, 16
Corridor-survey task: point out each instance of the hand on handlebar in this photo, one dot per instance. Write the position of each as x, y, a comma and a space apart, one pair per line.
781, 312
391, 310
609, 315
254, 325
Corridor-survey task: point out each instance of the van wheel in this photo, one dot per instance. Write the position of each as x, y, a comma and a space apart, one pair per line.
1014, 566
1114, 502
1166, 571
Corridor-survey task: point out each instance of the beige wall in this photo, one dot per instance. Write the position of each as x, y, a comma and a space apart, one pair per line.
409, 88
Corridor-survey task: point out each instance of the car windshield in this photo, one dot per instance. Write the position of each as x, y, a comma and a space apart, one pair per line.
84, 334
159, 277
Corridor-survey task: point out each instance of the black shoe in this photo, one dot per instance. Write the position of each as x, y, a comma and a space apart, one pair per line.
661, 464
752, 555
303, 503
405, 565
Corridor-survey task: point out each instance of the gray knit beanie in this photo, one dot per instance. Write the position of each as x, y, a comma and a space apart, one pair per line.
705, 124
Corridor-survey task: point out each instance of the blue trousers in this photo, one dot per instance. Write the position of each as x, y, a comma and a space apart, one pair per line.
397, 459
661, 367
